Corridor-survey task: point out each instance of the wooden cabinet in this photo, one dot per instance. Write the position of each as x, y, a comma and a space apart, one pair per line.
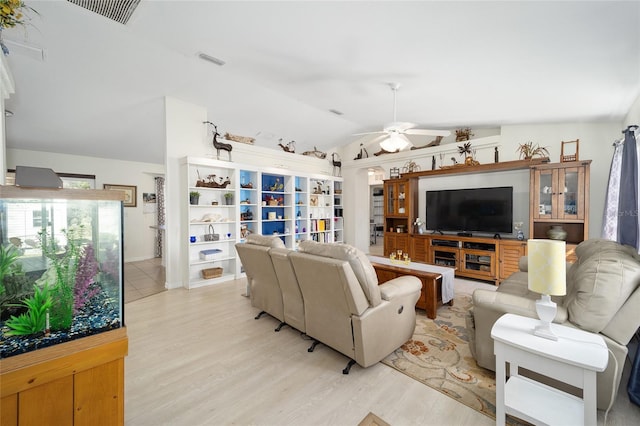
509, 254
559, 196
482, 258
80, 382
397, 198
479, 262
394, 241
400, 211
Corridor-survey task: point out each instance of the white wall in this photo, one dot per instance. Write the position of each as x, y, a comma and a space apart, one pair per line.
139, 239
6, 89
633, 117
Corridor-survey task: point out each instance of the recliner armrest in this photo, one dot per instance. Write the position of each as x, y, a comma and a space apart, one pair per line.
512, 304
400, 286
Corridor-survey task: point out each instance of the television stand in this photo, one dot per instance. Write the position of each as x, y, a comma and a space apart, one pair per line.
465, 234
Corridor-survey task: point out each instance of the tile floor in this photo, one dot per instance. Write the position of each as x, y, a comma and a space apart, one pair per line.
143, 278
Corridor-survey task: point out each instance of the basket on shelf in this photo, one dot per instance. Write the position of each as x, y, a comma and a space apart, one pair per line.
211, 235
209, 273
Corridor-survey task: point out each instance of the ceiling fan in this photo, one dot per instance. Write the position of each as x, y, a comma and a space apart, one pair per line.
393, 135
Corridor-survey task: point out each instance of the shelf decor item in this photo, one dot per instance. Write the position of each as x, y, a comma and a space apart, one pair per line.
210, 182
394, 173
194, 198
228, 198
209, 273
530, 150
463, 134
468, 153
557, 232
565, 157
211, 235
209, 254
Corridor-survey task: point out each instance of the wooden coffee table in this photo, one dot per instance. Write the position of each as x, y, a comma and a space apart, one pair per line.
431, 294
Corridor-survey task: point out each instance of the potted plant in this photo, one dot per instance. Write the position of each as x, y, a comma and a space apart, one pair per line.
529, 150
228, 198
194, 197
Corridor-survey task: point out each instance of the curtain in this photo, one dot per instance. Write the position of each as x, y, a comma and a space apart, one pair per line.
160, 215
620, 221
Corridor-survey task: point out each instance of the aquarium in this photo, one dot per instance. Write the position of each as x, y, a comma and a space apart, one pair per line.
61, 266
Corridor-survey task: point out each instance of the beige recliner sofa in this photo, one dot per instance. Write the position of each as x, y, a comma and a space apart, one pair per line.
345, 308
263, 285
603, 296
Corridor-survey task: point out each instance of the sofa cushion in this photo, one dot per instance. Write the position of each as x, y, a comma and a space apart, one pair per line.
594, 246
265, 240
359, 262
600, 282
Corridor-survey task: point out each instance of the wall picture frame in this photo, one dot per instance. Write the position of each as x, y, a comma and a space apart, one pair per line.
130, 193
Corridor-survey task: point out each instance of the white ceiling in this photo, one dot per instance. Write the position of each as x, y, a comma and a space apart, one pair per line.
99, 90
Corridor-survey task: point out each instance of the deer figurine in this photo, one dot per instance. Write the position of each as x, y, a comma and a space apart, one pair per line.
337, 164
290, 147
219, 145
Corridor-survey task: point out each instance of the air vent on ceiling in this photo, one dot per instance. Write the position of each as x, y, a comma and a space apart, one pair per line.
119, 11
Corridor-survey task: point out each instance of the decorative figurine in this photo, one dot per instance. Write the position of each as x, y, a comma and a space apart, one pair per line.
362, 154
290, 147
219, 145
337, 164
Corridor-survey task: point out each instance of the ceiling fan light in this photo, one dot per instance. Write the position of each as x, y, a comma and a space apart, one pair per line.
395, 142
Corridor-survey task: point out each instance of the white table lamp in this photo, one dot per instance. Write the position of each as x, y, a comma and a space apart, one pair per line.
547, 276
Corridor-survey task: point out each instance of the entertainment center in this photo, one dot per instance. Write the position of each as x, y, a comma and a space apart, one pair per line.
558, 197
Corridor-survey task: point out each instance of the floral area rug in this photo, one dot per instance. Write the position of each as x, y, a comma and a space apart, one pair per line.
438, 355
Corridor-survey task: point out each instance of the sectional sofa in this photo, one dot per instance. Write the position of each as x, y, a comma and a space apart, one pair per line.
330, 292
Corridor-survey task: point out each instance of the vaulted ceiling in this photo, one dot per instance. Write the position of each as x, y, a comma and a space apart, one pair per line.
88, 85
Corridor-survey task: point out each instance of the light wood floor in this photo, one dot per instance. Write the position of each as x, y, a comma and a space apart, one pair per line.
143, 278
197, 357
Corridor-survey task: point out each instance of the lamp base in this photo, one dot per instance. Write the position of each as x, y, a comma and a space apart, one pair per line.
546, 310
544, 330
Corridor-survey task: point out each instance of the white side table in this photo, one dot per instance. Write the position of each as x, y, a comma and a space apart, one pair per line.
574, 359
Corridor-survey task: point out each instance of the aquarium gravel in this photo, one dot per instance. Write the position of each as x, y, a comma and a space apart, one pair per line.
98, 316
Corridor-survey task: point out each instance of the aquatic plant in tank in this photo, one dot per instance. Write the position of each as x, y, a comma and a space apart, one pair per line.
65, 283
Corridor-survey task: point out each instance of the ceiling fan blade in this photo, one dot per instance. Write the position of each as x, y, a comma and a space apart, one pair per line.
427, 132
399, 126
406, 139
370, 133
377, 139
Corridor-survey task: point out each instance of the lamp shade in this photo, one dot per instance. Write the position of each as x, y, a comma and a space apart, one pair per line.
547, 267
395, 142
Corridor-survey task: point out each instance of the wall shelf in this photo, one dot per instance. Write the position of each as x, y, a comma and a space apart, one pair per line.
482, 168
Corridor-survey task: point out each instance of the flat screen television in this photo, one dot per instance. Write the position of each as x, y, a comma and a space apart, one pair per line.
471, 210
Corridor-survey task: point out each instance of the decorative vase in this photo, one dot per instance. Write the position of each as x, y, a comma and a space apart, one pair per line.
193, 199
556, 232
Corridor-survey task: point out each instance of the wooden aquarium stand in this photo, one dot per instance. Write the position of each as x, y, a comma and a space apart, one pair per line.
80, 382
